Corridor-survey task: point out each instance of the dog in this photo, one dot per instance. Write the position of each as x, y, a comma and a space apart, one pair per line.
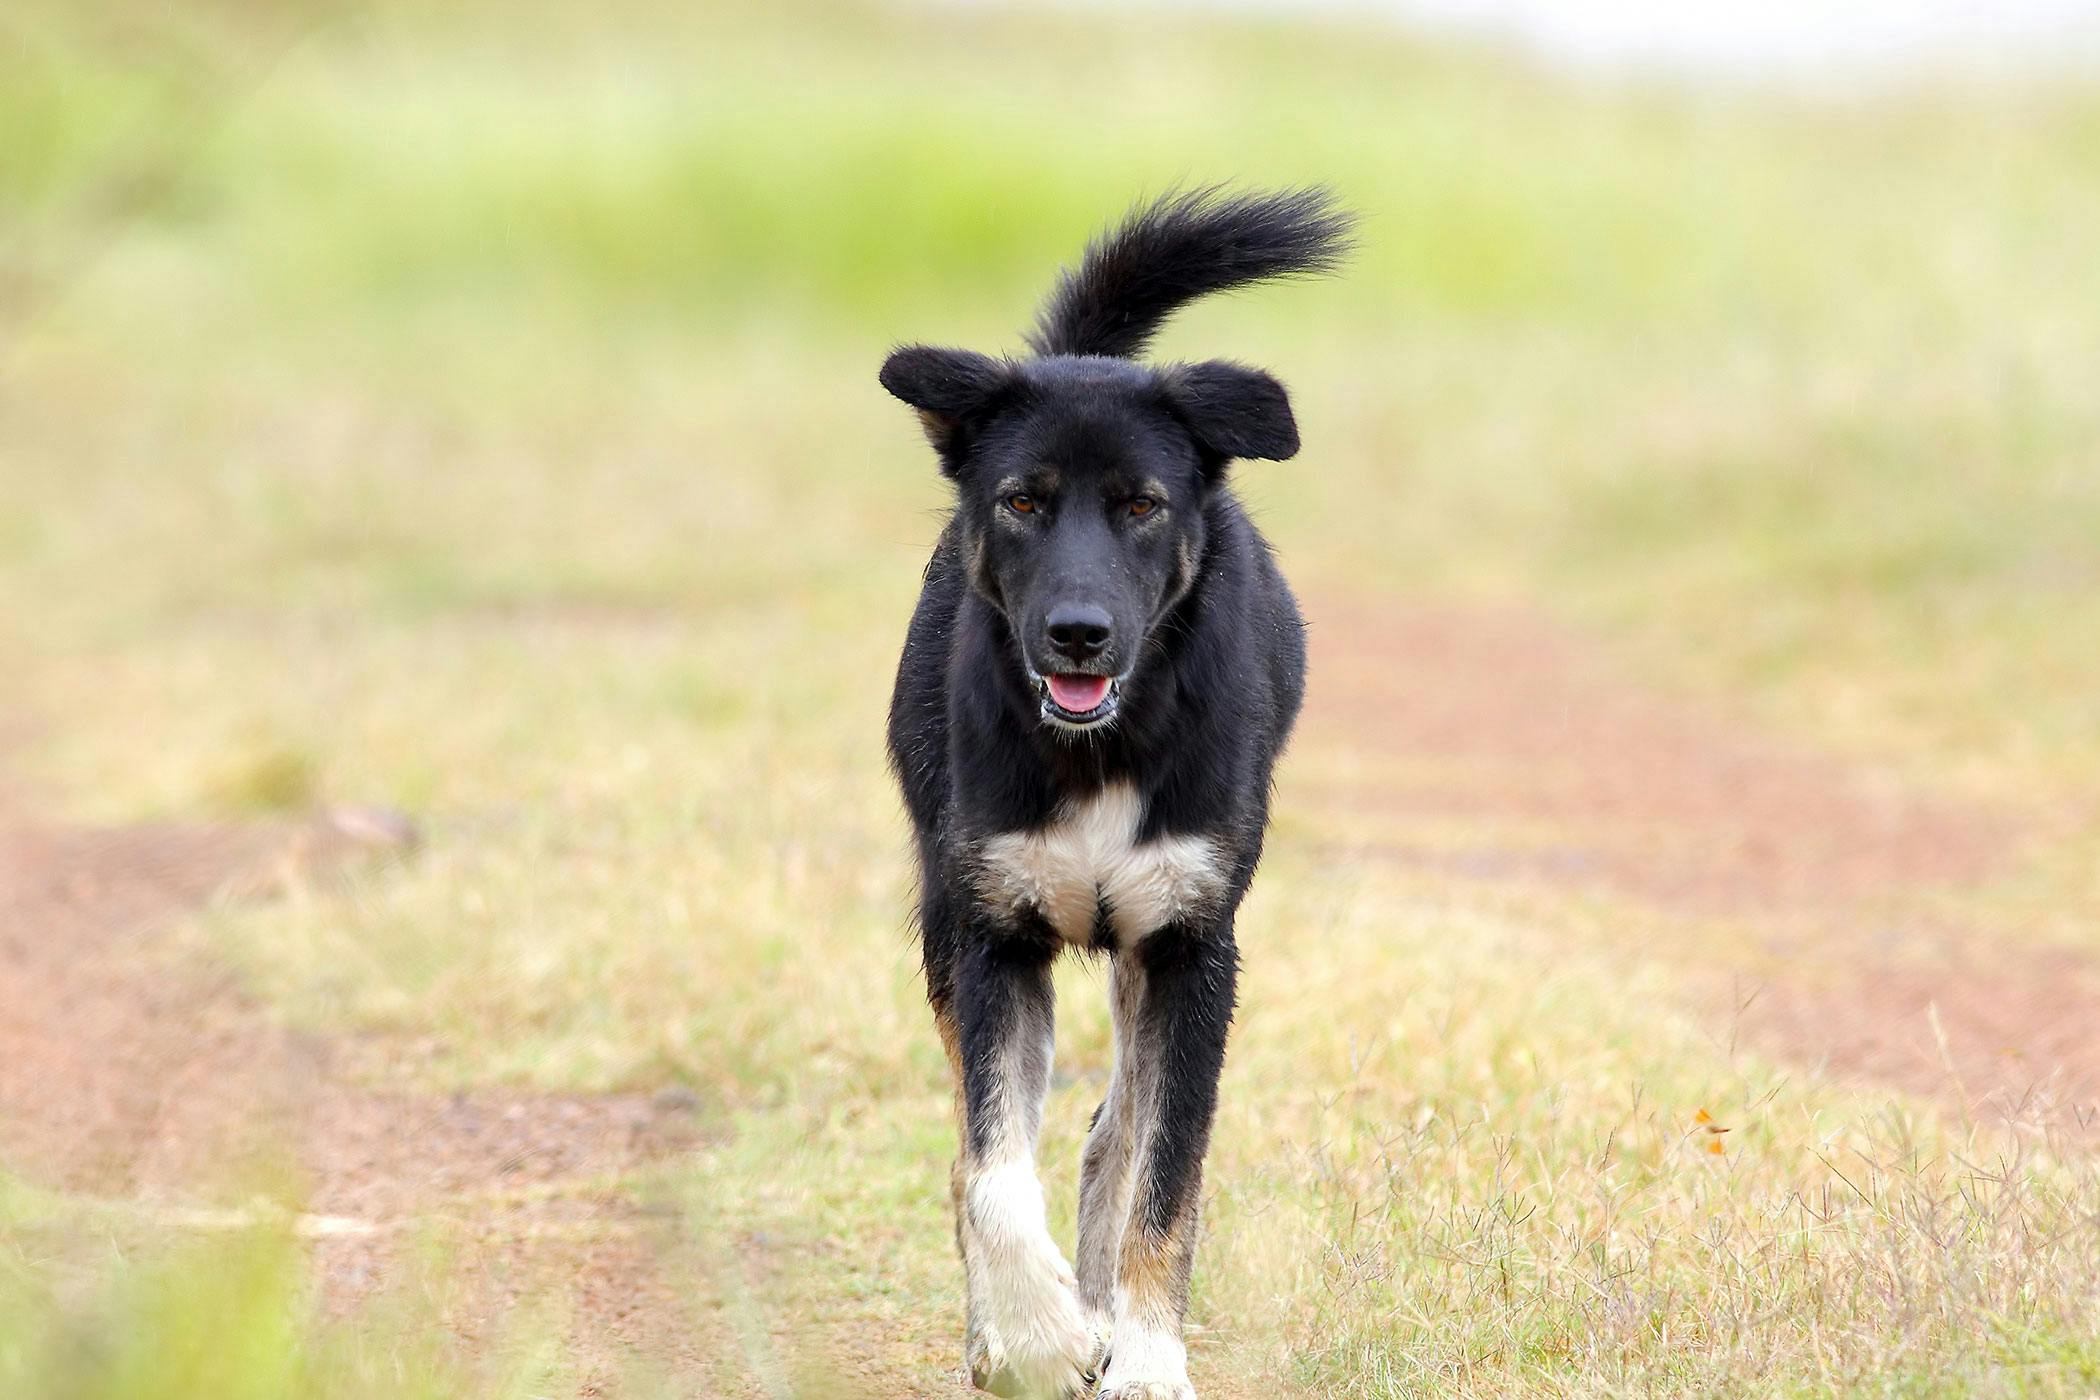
1101, 672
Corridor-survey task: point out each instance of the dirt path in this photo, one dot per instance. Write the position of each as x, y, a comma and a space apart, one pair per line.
1494, 746
1485, 746
124, 1078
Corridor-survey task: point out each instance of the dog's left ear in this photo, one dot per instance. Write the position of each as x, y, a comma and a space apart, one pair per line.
1233, 411
947, 387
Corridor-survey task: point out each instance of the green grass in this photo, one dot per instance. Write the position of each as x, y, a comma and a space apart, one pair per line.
99, 1304
1806, 382
475, 411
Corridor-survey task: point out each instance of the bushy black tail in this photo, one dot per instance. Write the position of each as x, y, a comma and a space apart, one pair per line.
1181, 247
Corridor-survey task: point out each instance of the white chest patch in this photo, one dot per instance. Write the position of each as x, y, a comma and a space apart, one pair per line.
1089, 858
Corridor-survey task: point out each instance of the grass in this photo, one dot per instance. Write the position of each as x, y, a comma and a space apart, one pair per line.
478, 415
99, 1303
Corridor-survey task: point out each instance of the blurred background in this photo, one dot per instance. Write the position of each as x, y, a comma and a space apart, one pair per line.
453, 553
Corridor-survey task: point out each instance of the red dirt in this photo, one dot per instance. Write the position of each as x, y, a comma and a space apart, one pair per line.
123, 1078
1495, 745
1503, 718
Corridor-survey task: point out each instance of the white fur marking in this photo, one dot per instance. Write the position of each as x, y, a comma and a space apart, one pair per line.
1089, 855
1033, 1326
1147, 1361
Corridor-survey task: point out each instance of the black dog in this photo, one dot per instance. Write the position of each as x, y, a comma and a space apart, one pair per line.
1101, 672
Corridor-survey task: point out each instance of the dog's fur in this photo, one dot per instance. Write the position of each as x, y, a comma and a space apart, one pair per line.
1095, 550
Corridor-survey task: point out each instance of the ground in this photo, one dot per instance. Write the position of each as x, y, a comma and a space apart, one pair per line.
1497, 750
1827, 877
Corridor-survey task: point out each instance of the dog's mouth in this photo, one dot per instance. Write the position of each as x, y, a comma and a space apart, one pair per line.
1077, 700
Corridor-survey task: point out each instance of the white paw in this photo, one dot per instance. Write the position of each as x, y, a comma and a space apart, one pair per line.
1146, 1365
1029, 1338
1054, 1355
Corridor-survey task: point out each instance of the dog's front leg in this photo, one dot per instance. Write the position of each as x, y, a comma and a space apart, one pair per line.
1028, 1335
1175, 1051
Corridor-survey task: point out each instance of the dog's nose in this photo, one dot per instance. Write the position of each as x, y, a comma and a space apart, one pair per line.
1078, 631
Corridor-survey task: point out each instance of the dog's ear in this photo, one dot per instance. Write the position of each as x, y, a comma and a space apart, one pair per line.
947, 387
1233, 411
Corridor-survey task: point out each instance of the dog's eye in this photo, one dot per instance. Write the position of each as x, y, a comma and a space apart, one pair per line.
1021, 503
1142, 505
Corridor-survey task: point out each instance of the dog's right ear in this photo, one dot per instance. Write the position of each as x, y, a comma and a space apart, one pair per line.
947, 387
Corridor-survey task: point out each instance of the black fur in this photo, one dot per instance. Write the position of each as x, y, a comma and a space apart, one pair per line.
1181, 248
1093, 488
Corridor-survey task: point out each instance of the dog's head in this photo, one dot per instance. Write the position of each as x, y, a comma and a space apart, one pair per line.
1082, 483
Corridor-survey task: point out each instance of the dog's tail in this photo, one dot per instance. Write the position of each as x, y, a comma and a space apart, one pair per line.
1181, 247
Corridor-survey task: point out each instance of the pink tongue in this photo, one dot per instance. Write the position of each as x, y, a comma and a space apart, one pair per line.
1078, 694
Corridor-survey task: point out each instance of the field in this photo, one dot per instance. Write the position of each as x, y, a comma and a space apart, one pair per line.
453, 552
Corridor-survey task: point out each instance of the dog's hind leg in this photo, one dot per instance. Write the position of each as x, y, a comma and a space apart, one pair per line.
1176, 1053
1028, 1335
1111, 1148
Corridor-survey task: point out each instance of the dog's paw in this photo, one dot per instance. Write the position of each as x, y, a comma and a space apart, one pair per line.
1024, 1376
1029, 1337
1051, 1354
1148, 1390
1146, 1364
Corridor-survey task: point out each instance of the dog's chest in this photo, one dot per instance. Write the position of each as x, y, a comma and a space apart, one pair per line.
1088, 862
